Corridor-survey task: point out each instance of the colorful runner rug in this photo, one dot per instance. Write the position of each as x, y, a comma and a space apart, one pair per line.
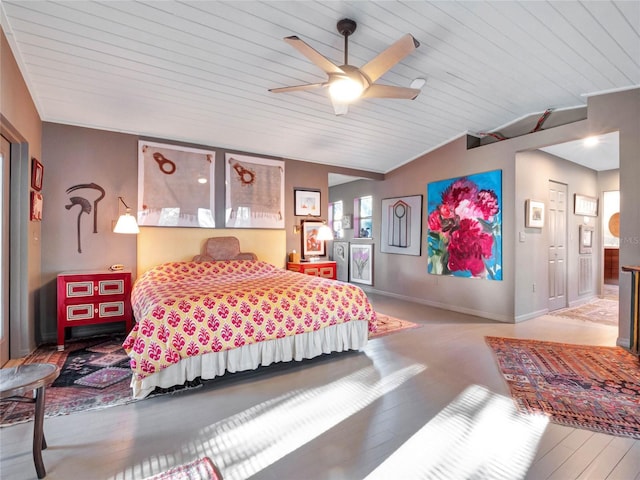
589, 387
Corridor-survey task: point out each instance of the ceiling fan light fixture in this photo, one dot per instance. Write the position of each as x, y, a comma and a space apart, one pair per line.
345, 90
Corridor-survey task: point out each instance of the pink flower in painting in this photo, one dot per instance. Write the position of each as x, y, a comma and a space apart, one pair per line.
469, 247
464, 230
461, 189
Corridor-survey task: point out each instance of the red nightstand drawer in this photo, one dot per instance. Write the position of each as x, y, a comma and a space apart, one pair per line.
319, 269
87, 298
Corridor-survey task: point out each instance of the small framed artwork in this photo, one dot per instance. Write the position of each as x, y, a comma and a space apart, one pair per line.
534, 216
311, 245
36, 206
37, 174
586, 206
307, 202
341, 257
586, 239
361, 263
347, 221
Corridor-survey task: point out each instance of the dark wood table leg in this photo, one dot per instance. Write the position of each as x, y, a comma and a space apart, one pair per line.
39, 442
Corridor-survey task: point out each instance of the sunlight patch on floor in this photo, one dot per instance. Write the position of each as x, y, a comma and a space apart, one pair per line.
244, 444
478, 435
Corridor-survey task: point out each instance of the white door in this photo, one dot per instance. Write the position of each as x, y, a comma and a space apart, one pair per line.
557, 264
4, 255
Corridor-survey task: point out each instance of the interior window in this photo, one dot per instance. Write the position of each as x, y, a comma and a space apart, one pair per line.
363, 213
335, 219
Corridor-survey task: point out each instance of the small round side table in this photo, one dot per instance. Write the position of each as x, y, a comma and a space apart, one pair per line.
14, 383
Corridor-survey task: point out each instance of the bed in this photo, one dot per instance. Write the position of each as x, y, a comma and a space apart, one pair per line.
202, 319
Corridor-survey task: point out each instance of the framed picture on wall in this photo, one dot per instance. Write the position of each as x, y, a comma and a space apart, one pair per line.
311, 245
534, 216
37, 174
586, 239
176, 186
586, 206
307, 202
361, 263
341, 257
36, 206
401, 230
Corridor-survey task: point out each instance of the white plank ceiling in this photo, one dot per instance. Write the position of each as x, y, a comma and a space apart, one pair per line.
199, 71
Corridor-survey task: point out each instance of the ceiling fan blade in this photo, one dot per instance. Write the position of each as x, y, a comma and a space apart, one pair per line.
388, 91
320, 60
308, 86
389, 57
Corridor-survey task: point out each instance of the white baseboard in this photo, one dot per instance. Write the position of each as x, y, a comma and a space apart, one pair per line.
444, 306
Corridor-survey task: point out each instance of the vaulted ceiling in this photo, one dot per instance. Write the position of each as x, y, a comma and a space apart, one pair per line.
200, 71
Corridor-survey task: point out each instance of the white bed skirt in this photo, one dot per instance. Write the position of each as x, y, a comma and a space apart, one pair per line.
334, 338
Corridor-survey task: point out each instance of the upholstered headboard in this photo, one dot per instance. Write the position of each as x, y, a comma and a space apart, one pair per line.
223, 248
179, 244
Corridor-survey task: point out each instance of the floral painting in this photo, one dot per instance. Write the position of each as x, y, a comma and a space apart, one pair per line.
361, 268
465, 226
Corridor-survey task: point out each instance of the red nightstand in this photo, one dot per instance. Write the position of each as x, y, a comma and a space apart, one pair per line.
92, 297
319, 269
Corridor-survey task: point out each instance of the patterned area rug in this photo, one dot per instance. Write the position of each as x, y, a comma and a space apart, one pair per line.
601, 310
387, 325
595, 388
94, 374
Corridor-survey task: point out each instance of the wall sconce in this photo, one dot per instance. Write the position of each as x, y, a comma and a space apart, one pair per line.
127, 222
325, 233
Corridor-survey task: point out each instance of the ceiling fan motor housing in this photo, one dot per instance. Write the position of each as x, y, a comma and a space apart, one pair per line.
346, 26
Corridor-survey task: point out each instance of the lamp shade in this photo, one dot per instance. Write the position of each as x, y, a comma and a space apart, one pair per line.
324, 233
126, 224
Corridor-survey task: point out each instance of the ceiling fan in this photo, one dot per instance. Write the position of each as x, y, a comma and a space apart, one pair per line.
347, 83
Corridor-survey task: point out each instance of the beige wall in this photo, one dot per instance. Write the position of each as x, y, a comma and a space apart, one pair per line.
511, 299
76, 155
20, 124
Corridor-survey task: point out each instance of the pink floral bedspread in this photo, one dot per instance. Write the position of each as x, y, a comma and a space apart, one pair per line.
184, 309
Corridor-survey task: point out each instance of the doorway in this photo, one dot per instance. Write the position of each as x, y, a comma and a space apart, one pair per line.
5, 189
557, 250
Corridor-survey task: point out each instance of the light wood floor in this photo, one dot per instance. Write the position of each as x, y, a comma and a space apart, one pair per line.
367, 405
